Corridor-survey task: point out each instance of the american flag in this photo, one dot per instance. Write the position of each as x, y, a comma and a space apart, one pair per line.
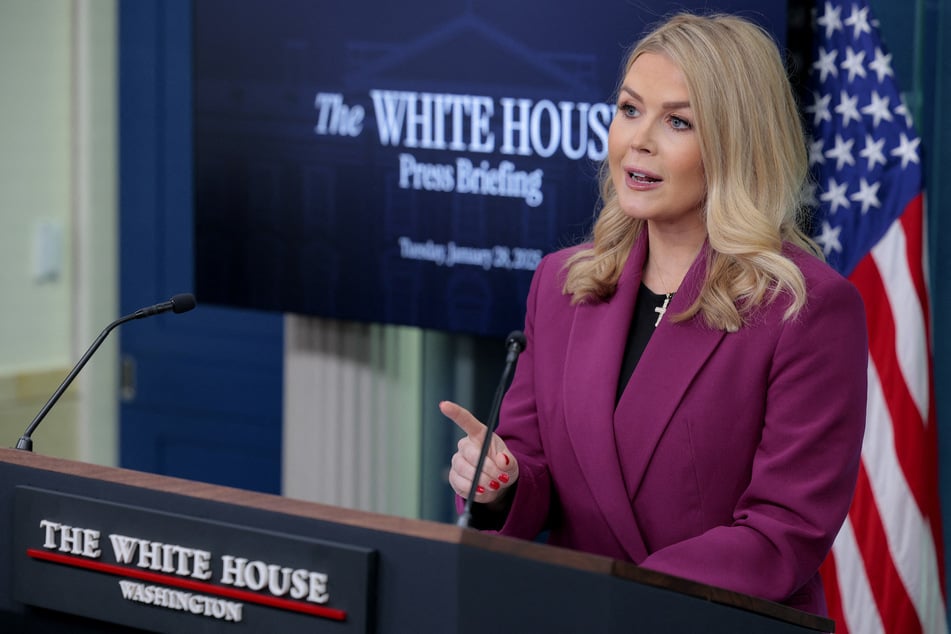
885, 571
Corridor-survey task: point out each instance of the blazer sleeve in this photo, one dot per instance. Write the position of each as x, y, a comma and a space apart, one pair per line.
806, 464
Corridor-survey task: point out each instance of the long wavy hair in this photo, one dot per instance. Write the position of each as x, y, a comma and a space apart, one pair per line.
756, 164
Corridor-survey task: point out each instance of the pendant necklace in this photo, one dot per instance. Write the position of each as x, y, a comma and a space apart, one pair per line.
662, 309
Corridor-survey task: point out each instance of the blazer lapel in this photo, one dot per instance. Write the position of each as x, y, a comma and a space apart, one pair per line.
595, 348
673, 357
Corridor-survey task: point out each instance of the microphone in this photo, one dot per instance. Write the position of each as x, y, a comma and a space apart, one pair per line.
181, 303
514, 344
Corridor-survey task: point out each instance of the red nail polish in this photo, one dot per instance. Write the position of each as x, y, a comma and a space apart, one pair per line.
506, 459
494, 485
480, 489
504, 478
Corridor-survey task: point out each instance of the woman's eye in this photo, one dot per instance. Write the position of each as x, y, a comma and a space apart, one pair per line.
629, 110
680, 124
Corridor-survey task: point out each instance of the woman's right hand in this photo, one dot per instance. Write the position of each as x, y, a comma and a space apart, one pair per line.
500, 470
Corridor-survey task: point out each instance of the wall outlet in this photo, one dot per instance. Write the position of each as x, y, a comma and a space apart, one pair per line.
47, 251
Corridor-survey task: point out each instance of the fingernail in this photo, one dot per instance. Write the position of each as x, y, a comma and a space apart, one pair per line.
504, 478
494, 485
480, 489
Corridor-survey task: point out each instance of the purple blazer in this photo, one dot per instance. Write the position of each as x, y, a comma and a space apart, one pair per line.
731, 458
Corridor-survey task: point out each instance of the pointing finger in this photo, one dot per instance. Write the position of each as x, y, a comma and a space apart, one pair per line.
463, 419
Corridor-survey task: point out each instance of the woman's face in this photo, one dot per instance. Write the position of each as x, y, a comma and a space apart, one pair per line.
653, 148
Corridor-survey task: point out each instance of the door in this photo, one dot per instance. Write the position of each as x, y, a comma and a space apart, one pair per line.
201, 391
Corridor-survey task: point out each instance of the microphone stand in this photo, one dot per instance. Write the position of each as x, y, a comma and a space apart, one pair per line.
178, 304
514, 343
26, 440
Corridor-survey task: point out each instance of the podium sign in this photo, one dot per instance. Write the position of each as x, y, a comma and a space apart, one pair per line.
169, 572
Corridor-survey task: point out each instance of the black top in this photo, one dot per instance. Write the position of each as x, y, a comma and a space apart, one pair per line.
642, 327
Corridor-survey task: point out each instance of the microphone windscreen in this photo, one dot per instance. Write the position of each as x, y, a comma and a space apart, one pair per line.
515, 338
183, 302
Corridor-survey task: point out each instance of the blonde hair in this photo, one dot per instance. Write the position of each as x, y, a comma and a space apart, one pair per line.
756, 165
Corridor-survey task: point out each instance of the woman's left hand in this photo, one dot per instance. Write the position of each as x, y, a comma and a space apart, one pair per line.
500, 470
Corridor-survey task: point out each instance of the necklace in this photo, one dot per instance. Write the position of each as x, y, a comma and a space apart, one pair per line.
662, 309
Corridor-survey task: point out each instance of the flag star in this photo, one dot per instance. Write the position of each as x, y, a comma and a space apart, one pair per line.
882, 65
809, 195
820, 108
872, 152
854, 63
878, 108
835, 196
826, 64
815, 152
848, 108
831, 19
842, 152
858, 20
829, 238
907, 149
903, 111
867, 195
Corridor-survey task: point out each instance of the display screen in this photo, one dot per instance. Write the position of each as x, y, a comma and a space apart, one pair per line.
404, 162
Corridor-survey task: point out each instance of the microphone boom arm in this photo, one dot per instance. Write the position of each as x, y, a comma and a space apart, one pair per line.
178, 304
26, 440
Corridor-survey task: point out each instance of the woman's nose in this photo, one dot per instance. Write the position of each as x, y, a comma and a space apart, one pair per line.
642, 138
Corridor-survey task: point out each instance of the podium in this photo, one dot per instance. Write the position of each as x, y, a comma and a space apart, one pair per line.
87, 548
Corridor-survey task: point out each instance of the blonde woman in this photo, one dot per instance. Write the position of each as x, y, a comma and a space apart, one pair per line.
692, 392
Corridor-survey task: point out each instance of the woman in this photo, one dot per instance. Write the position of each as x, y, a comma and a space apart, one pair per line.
692, 392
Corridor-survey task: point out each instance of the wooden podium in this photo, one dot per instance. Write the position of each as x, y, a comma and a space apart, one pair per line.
87, 548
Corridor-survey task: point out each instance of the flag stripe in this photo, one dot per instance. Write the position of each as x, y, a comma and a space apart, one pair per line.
830, 574
909, 527
907, 531
910, 343
901, 405
894, 605
913, 223
851, 583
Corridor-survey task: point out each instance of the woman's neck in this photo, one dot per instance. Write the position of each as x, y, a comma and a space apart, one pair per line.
669, 257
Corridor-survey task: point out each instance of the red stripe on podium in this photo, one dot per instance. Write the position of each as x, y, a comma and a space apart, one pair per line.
188, 584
